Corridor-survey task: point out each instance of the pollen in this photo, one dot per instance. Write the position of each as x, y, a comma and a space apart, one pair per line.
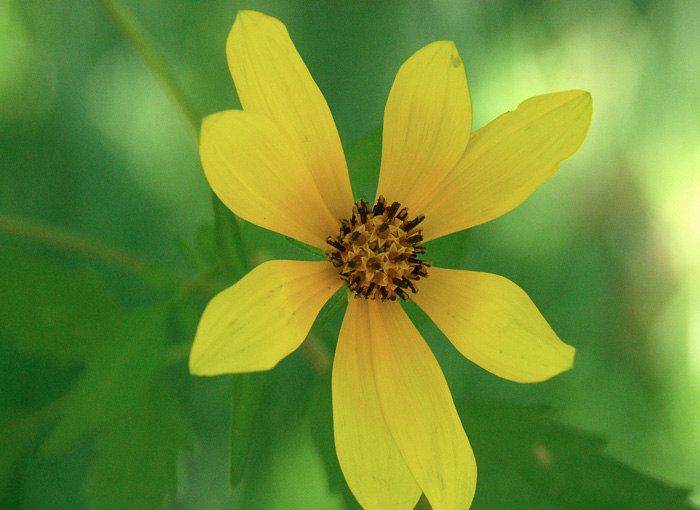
377, 251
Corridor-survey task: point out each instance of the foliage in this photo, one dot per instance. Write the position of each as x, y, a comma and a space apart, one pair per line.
96, 402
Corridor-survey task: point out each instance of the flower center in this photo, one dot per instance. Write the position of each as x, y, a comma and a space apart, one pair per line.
377, 251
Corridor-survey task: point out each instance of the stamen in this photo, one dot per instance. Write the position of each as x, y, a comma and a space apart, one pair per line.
409, 285
396, 258
391, 211
335, 244
374, 263
413, 223
420, 271
362, 210
414, 238
400, 283
377, 251
379, 206
402, 294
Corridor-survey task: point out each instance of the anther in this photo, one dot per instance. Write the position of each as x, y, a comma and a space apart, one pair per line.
402, 214
383, 231
335, 244
379, 206
358, 237
391, 211
402, 294
420, 271
413, 223
409, 285
414, 238
362, 210
400, 283
374, 263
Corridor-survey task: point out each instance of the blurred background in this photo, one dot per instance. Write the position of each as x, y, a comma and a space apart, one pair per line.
109, 250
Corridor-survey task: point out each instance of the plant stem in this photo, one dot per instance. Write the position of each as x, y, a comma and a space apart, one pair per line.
65, 240
178, 353
317, 354
135, 34
56, 237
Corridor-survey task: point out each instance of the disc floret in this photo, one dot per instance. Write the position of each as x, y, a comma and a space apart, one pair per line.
377, 251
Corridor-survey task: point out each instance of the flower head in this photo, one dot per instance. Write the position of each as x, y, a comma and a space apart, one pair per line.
279, 164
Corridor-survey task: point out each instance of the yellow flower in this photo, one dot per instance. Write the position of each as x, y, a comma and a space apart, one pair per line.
279, 164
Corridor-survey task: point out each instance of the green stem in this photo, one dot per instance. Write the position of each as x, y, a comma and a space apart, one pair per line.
134, 33
233, 241
317, 354
64, 240
178, 353
45, 233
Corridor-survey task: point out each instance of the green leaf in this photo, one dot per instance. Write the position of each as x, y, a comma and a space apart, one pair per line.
136, 455
528, 460
53, 309
19, 432
114, 380
188, 254
246, 392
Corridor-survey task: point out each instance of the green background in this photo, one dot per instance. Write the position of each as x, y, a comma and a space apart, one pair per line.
110, 248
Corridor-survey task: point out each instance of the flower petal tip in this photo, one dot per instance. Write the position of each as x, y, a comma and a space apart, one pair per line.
566, 363
445, 49
253, 17
581, 100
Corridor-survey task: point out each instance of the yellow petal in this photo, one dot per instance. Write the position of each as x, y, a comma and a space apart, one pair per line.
418, 409
493, 322
259, 173
507, 160
427, 121
272, 80
368, 456
394, 366
263, 318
